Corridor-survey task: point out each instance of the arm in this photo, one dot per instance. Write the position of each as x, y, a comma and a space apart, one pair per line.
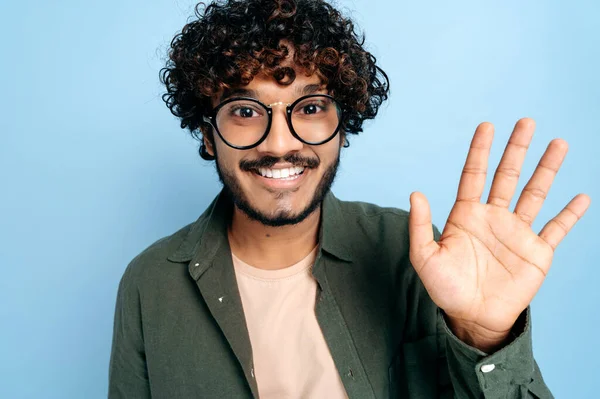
128, 374
487, 265
437, 364
510, 372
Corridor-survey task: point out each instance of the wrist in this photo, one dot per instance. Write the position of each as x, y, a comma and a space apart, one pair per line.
478, 337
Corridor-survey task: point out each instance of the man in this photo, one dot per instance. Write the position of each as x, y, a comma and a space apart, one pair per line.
280, 290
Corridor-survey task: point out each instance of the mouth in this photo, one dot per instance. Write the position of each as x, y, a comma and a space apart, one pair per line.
281, 178
280, 173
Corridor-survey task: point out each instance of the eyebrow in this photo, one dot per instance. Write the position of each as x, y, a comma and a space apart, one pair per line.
309, 89
238, 92
241, 92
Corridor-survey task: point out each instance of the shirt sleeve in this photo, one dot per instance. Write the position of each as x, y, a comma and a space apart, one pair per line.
128, 375
510, 372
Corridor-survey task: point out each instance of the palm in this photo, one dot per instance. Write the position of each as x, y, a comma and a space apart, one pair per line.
486, 254
489, 264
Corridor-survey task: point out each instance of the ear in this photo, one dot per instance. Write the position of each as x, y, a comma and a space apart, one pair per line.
208, 143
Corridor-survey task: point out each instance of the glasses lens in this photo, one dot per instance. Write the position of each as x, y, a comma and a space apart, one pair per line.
242, 122
316, 119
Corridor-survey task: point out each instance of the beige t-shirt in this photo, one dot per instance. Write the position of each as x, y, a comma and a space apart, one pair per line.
291, 357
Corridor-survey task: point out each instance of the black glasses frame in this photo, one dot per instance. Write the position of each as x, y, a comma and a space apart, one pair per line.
212, 119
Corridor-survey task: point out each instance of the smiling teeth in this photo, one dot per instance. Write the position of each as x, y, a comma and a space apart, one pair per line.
281, 173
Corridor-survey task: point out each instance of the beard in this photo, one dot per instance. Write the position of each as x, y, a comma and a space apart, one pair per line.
234, 191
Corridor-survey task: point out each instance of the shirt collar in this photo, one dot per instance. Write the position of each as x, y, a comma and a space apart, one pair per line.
335, 233
207, 234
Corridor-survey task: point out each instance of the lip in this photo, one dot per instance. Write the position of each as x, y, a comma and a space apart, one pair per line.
282, 165
279, 184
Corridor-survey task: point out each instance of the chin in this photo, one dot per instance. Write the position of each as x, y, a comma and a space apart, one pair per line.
271, 211
277, 206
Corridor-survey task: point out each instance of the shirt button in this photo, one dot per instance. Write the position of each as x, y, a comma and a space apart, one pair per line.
486, 368
197, 264
350, 373
252, 372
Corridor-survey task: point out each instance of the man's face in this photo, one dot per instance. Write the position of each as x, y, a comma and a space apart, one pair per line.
270, 200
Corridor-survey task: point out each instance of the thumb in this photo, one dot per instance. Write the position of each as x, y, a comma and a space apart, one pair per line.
420, 230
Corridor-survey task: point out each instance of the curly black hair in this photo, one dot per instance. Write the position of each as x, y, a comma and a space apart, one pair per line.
231, 41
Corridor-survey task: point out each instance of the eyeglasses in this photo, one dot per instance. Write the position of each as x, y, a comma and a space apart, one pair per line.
244, 122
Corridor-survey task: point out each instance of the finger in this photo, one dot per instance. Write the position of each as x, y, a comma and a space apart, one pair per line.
557, 228
472, 180
507, 174
420, 230
536, 190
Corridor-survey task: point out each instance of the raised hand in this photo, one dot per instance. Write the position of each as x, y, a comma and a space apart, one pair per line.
489, 264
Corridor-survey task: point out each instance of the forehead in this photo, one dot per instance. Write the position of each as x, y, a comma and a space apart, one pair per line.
266, 88
264, 81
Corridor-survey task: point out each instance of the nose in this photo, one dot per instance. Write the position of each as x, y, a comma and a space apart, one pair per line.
280, 140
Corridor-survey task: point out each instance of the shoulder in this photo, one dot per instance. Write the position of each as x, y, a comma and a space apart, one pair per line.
366, 221
373, 234
152, 261
367, 233
366, 211
376, 224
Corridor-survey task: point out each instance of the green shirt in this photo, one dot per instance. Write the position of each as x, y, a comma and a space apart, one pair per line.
180, 330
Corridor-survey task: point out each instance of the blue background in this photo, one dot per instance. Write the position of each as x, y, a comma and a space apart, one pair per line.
93, 167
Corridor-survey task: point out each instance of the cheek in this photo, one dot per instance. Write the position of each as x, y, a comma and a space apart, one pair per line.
229, 167
329, 152
226, 156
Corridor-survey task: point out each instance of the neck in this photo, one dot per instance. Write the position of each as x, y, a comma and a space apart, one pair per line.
271, 248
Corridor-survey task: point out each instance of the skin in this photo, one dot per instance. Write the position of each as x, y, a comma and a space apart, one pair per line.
488, 264
260, 245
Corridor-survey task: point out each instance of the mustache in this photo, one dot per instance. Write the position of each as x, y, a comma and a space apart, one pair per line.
269, 161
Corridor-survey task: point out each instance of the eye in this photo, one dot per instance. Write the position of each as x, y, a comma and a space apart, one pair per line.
244, 112
311, 108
